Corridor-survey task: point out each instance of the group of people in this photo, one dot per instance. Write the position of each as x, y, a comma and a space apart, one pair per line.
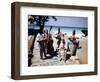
45, 41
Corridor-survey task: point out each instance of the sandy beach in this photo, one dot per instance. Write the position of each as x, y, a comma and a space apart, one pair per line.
81, 54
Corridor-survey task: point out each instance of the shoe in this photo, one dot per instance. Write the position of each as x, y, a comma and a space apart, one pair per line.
79, 47
42, 58
68, 50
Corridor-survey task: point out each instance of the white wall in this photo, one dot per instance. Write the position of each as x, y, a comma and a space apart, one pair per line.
5, 39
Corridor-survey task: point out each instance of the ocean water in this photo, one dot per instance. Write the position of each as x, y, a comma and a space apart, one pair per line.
67, 30
63, 29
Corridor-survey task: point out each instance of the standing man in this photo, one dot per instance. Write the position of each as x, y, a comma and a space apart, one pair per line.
58, 37
75, 42
63, 41
42, 45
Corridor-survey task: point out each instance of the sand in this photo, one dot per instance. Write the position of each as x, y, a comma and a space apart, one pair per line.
81, 54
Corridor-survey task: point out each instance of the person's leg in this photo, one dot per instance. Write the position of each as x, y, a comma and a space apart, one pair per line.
44, 50
59, 41
78, 45
41, 53
68, 43
44, 53
74, 50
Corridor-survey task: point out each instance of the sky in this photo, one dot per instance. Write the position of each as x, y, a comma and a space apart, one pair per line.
65, 23
68, 21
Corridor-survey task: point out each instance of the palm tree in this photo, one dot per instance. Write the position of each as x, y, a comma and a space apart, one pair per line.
39, 21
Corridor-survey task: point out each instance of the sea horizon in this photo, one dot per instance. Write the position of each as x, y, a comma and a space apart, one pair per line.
63, 29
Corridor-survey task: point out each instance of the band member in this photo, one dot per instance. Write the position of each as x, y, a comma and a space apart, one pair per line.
50, 48
63, 41
58, 37
42, 45
74, 42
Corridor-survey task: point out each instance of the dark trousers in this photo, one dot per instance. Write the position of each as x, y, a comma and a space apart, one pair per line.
75, 47
58, 42
42, 49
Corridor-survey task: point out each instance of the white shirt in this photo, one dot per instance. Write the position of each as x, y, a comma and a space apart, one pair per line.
40, 37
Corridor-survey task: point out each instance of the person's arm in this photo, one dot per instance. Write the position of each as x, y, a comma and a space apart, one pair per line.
77, 37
